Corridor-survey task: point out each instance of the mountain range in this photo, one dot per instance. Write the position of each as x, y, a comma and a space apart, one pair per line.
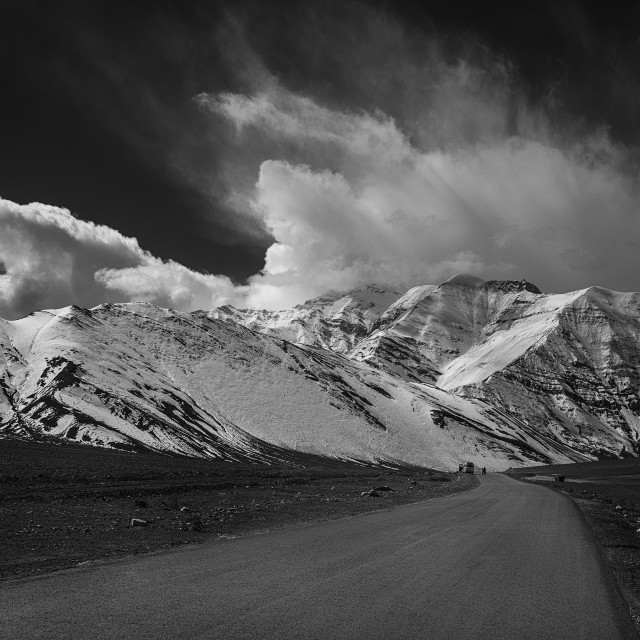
494, 372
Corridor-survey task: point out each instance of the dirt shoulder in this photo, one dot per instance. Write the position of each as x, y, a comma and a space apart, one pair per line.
612, 509
64, 505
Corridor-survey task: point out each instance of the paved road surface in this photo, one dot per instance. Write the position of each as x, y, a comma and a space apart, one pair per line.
505, 560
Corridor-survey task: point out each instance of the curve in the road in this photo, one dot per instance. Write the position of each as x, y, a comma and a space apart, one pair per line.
506, 560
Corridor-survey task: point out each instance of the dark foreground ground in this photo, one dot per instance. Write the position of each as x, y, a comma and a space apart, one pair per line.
62, 505
608, 494
507, 561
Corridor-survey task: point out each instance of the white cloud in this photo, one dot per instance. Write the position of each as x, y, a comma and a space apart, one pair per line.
51, 259
564, 215
169, 284
286, 114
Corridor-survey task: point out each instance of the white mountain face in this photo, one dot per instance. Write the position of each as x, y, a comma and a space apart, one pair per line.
565, 364
334, 321
493, 372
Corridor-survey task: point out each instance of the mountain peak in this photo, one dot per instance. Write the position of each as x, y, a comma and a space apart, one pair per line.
506, 286
513, 285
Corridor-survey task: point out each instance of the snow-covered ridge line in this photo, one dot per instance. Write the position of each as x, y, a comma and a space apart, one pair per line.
496, 372
470, 336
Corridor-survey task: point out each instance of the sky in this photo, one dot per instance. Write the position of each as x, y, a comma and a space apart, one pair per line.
193, 154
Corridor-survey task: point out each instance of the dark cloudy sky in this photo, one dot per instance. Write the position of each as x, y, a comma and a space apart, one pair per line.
259, 153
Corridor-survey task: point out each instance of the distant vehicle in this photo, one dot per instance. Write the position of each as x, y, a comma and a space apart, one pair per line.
469, 468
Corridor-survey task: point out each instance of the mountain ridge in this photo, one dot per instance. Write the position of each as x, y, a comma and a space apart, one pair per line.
494, 371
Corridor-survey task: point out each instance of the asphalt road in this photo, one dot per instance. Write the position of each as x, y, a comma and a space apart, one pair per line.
505, 560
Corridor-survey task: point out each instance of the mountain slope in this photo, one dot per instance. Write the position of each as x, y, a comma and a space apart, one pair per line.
568, 365
334, 321
136, 376
578, 381
495, 371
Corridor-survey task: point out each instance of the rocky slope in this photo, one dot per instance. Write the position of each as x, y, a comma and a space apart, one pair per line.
335, 321
135, 376
495, 372
568, 365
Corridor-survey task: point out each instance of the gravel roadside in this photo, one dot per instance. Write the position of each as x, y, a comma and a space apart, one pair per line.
61, 506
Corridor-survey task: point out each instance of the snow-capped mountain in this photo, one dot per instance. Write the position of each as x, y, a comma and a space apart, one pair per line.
335, 321
568, 365
495, 372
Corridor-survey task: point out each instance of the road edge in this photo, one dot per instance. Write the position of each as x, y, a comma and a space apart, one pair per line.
278, 526
628, 616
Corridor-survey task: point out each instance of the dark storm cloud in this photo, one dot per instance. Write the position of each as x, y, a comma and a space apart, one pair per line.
123, 75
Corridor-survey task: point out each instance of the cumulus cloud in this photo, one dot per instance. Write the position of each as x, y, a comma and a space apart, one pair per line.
414, 157
50, 259
169, 284
558, 210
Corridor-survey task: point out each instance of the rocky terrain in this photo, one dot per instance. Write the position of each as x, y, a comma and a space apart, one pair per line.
494, 372
64, 505
566, 364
